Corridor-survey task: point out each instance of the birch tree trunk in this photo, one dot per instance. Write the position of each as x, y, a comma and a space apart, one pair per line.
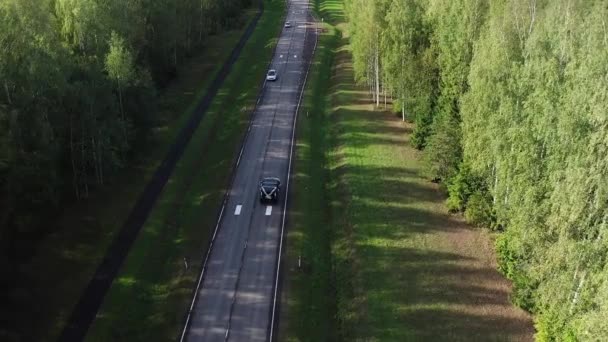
577, 292
122, 114
74, 168
83, 167
202, 22
8, 93
377, 69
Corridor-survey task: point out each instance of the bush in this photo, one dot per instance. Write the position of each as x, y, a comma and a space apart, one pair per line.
549, 325
422, 130
479, 210
460, 188
443, 152
510, 264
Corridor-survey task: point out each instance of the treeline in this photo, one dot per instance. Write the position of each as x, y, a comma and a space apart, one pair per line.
510, 101
78, 80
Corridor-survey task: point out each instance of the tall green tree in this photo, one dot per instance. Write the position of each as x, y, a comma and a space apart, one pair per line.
121, 70
513, 120
407, 58
456, 26
77, 86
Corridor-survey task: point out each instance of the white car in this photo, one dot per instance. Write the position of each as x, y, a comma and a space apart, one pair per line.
287, 24
271, 75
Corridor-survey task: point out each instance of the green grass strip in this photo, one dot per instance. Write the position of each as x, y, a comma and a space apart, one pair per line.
308, 307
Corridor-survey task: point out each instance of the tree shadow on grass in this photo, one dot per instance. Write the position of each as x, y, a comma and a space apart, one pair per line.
419, 273
419, 295
331, 11
446, 325
376, 130
403, 268
421, 277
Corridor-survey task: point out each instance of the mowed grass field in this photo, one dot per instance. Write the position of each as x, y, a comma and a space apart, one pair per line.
149, 299
381, 257
59, 266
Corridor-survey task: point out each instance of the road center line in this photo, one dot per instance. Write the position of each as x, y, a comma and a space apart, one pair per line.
237, 211
268, 210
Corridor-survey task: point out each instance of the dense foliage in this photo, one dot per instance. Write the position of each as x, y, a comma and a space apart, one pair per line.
77, 90
510, 98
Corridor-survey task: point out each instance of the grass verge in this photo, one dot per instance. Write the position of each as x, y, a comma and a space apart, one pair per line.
308, 251
149, 298
49, 282
382, 257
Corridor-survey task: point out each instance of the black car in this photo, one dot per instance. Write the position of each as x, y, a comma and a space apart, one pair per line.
269, 189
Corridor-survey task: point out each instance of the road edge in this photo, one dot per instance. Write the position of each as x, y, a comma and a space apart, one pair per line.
274, 320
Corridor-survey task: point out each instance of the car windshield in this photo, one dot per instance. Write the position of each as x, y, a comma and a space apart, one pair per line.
271, 73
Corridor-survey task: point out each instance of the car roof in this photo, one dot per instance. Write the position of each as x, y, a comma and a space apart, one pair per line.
270, 180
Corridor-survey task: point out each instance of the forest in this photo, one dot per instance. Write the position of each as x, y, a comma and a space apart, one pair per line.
510, 104
79, 80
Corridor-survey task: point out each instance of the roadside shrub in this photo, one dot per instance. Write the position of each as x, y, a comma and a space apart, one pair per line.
460, 188
455, 203
479, 210
549, 325
510, 264
523, 292
422, 130
506, 256
443, 152
459, 191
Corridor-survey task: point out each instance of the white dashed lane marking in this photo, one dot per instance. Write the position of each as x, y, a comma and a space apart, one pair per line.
237, 211
268, 210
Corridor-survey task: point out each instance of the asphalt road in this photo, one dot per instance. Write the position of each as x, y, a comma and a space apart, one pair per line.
235, 298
